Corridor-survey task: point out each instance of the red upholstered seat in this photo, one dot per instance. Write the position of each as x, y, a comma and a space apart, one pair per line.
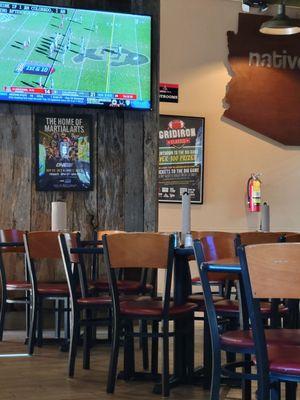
123, 285
199, 299
153, 308
284, 359
232, 306
85, 301
282, 337
17, 285
53, 288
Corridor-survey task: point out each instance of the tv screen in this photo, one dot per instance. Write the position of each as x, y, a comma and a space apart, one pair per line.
59, 55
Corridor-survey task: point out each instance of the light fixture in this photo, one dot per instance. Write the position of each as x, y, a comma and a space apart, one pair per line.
280, 25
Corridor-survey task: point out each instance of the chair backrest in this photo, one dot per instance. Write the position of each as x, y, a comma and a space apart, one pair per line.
218, 246
138, 250
201, 234
11, 236
42, 248
292, 237
42, 245
246, 238
274, 270
100, 233
73, 265
268, 270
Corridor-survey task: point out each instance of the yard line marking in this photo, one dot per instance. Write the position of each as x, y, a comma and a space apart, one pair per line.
137, 62
62, 42
109, 54
81, 69
17, 31
33, 48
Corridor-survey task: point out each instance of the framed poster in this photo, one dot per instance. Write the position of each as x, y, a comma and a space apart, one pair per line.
63, 152
181, 156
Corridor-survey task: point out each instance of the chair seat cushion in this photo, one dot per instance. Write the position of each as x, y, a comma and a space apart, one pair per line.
17, 285
94, 301
59, 289
199, 299
154, 308
284, 359
123, 285
282, 337
226, 306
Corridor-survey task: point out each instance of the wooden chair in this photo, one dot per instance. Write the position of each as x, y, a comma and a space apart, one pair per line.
39, 247
134, 281
272, 270
278, 310
238, 341
198, 235
245, 238
292, 238
9, 237
83, 304
142, 250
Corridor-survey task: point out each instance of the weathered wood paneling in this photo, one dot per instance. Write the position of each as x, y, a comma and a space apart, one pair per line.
124, 151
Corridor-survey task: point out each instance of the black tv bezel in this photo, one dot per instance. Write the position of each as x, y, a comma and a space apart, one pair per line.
90, 106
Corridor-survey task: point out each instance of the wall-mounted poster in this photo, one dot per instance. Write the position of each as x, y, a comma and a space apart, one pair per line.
63, 148
181, 156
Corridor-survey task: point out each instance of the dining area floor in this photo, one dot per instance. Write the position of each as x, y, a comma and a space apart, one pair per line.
43, 375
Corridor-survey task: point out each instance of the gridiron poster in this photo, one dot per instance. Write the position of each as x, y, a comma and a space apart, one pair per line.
63, 146
181, 145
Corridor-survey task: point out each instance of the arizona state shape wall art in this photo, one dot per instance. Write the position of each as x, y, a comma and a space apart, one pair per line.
264, 92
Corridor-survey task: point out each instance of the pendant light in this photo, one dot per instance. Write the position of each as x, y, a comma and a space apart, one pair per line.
280, 25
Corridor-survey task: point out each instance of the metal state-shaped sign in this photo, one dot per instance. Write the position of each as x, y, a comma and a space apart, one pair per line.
264, 92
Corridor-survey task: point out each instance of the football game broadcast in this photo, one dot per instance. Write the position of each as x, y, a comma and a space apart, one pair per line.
73, 56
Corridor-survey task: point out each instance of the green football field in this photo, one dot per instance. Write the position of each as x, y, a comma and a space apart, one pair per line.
86, 50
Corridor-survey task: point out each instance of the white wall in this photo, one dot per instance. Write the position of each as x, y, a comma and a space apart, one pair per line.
194, 54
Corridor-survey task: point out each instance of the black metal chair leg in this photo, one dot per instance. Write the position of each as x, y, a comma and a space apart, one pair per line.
27, 312
112, 372
3, 309
154, 348
66, 312
291, 391
109, 328
165, 371
216, 375
40, 321
32, 328
190, 341
75, 330
129, 351
144, 343
246, 385
57, 318
87, 342
275, 391
207, 355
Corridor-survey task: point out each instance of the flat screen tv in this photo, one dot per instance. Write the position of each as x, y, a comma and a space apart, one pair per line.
59, 55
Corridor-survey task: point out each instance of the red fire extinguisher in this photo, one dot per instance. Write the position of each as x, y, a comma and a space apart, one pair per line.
254, 193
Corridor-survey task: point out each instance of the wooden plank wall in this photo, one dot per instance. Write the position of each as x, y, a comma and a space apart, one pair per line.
125, 156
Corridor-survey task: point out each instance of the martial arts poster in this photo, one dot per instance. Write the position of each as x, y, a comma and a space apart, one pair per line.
181, 156
63, 148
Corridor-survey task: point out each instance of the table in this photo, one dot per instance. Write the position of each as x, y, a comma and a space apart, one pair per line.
182, 289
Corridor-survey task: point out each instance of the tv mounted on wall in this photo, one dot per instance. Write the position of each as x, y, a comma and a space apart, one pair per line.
68, 56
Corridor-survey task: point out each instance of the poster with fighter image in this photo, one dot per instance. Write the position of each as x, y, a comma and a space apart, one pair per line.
63, 148
181, 156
